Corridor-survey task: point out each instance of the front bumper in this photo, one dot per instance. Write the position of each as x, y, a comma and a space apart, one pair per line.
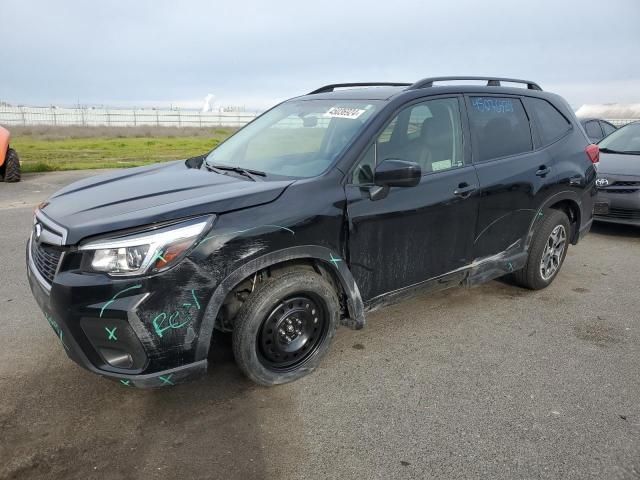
621, 207
141, 332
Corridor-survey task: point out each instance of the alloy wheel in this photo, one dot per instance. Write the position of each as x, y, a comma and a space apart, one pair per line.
553, 252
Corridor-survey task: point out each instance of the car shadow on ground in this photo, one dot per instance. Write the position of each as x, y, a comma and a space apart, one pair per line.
72, 424
615, 229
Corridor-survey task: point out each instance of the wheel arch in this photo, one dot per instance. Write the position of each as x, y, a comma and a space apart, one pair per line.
572, 210
324, 260
566, 201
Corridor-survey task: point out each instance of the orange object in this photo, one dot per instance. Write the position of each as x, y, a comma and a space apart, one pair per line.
4, 144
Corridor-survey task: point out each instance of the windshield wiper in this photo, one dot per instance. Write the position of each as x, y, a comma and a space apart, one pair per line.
247, 172
622, 152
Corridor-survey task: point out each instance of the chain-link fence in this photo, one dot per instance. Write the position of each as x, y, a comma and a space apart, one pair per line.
56, 116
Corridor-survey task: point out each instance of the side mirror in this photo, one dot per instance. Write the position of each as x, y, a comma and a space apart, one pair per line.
397, 173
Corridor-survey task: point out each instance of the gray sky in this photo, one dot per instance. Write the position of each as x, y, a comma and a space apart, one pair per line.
254, 53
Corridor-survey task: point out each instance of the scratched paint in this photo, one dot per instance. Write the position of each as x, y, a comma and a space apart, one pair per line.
236, 232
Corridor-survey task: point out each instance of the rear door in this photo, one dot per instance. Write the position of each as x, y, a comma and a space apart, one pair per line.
511, 174
414, 233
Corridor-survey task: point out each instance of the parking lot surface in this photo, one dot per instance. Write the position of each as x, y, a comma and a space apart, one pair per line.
490, 382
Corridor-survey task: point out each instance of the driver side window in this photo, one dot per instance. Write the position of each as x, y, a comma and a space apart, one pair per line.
428, 133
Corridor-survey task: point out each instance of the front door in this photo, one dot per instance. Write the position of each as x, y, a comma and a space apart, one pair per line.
416, 233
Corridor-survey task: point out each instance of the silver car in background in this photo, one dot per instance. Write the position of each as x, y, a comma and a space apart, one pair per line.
618, 181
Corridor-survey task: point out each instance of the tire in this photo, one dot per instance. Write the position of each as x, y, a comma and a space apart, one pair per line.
11, 167
300, 299
534, 276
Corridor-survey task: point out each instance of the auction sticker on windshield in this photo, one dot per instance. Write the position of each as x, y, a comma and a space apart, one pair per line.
344, 112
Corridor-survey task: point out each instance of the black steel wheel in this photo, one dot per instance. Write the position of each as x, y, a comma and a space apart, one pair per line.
292, 332
285, 327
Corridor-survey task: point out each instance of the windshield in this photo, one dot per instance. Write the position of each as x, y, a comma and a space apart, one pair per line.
624, 140
300, 138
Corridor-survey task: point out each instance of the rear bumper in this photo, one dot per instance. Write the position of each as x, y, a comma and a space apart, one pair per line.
116, 338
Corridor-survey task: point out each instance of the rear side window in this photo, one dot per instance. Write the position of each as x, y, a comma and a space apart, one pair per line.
550, 122
607, 128
499, 127
593, 130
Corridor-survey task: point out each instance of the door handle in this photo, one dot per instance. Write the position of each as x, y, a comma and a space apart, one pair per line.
464, 190
542, 171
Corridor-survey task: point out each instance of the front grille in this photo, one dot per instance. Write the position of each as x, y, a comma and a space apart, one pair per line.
46, 259
623, 190
623, 213
626, 184
618, 187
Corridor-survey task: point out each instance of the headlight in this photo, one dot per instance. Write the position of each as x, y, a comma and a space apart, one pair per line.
147, 251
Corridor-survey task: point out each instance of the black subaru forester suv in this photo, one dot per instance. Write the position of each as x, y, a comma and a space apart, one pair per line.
325, 207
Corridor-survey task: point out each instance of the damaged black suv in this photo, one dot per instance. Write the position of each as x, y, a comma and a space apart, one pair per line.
325, 207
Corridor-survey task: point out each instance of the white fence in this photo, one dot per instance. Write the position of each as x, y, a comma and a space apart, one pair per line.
619, 122
112, 117
117, 117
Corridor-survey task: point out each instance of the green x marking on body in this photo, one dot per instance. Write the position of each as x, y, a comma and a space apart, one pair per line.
126, 383
112, 333
158, 256
334, 260
166, 379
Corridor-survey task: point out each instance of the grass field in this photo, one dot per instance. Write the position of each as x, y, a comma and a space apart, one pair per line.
44, 149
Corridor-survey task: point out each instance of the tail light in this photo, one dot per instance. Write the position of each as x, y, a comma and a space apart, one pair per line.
593, 152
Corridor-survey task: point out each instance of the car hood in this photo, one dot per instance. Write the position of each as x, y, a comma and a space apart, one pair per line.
619, 164
156, 193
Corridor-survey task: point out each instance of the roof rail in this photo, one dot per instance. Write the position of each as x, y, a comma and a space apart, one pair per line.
491, 82
333, 86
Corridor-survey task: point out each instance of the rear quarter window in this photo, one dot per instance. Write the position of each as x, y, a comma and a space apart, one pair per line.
550, 123
593, 130
607, 128
499, 127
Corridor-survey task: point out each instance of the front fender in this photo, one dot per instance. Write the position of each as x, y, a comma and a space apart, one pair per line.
325, 255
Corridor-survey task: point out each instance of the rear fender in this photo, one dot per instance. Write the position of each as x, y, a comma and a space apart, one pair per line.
549, 202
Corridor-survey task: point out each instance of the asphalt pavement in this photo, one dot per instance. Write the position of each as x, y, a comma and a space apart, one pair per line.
494, 382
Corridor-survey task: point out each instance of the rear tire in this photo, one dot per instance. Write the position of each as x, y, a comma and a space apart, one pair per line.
285, 327
547, 251
11, 167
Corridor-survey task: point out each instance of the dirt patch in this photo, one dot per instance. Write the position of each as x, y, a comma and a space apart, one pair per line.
598, 332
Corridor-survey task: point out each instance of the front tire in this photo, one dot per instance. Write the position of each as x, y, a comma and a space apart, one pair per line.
11, 167
547, 251
285, 327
